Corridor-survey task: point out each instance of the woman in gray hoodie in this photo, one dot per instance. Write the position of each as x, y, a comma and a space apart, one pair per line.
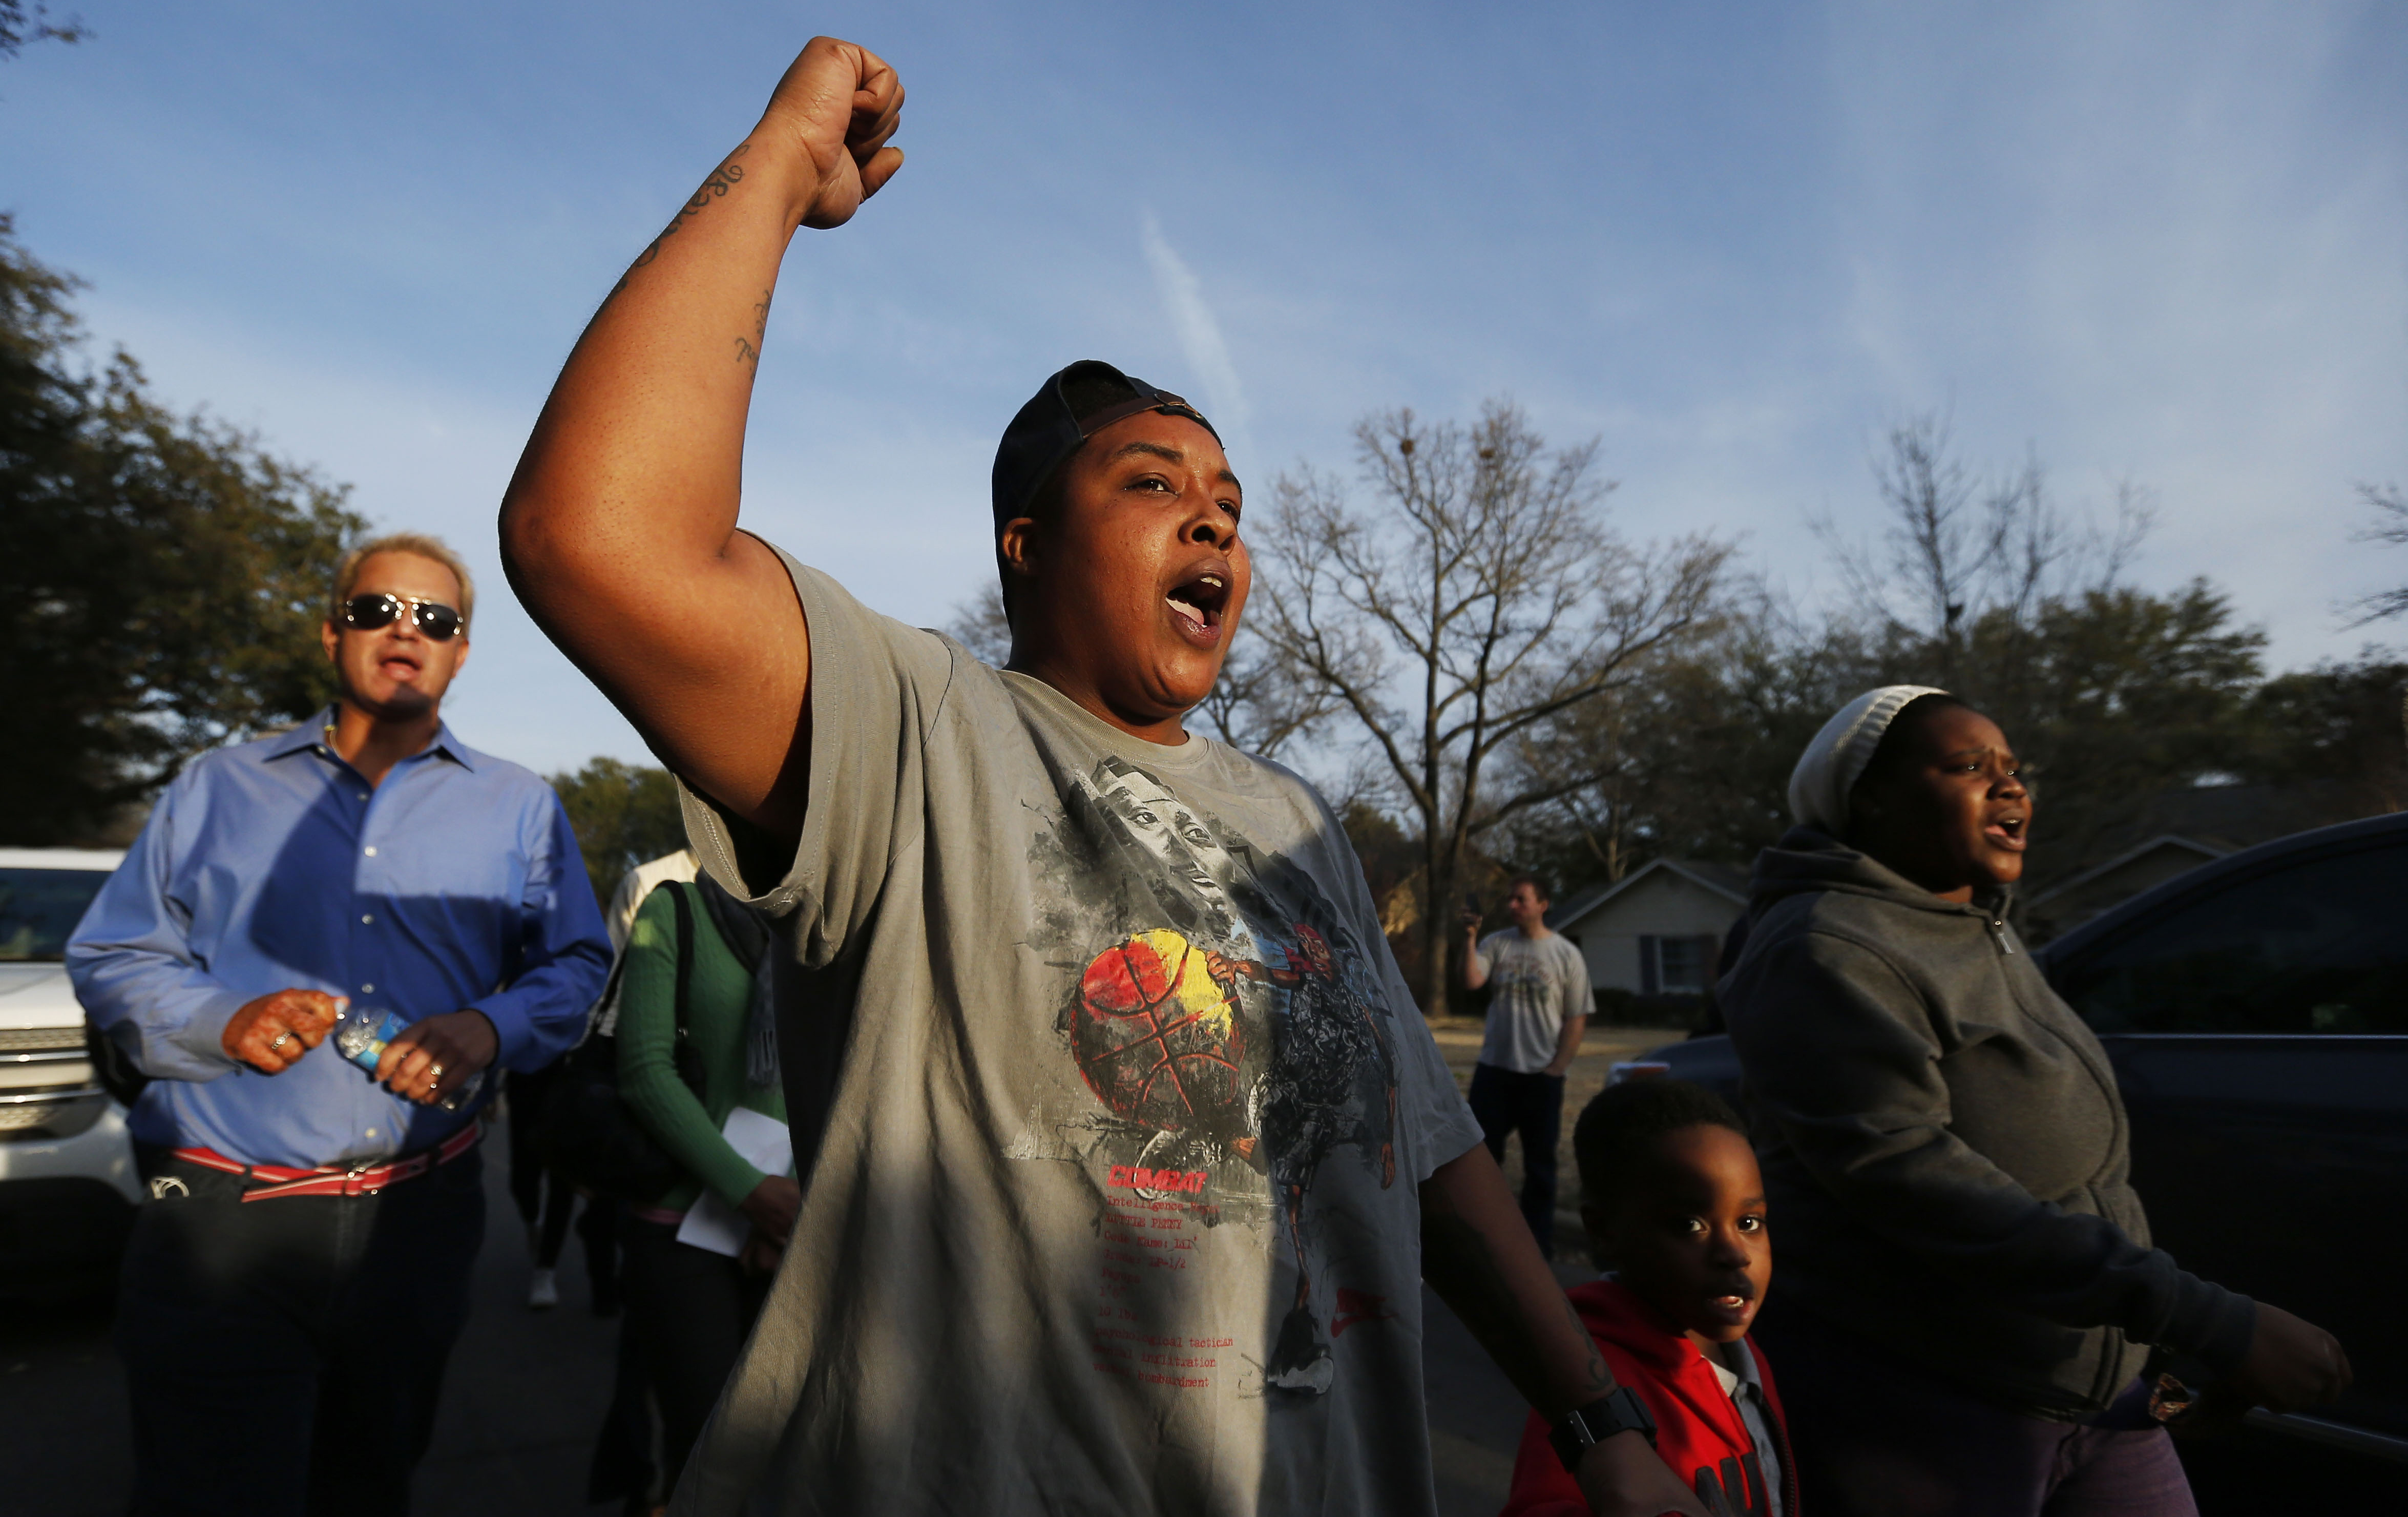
1967, 1292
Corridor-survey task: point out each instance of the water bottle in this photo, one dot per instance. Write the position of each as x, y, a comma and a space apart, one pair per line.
362, 1035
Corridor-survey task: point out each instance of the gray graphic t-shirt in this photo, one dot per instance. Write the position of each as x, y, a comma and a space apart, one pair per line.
1112, 1208
1533, 985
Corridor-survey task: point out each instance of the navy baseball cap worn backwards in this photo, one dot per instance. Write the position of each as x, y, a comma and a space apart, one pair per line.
1074, 404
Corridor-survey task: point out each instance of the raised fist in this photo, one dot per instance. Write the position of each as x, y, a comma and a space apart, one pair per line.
838, 104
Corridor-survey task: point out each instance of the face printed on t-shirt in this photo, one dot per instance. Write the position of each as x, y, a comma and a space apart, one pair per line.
1149, 818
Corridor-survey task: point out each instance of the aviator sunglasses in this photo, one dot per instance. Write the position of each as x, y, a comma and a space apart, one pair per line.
439, 622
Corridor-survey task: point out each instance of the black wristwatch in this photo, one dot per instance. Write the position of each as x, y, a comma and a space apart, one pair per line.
1576, 1433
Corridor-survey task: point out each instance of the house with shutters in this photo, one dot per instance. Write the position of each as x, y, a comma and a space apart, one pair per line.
1656, 931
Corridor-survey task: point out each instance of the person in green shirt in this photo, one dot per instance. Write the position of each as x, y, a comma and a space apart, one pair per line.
690, 1308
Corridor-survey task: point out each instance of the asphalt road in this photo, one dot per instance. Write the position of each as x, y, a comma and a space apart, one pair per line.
527, 1392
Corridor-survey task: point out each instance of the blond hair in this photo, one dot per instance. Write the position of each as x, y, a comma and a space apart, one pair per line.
347, 573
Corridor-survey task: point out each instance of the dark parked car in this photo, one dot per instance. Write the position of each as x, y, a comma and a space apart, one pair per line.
2257, 1012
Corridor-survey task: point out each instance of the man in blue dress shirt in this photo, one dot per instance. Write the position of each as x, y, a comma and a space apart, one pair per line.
296, 1282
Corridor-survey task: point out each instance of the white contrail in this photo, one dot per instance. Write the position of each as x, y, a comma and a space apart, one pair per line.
1200, 339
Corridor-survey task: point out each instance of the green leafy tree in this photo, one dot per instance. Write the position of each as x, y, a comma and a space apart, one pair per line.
165, 581
624, 815
1691, 759
2343, 726
2115, 695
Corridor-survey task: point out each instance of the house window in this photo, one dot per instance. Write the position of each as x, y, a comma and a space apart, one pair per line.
1676, 966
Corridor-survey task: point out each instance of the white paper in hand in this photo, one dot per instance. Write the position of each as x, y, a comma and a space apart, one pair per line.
762, 1141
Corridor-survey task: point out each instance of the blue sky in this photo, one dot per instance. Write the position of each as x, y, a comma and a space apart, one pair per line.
2163, 242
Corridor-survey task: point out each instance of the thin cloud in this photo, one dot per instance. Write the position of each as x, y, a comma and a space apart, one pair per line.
1200, 339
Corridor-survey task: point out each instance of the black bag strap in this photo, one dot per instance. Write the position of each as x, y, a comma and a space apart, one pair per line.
683, 1056
605, 1001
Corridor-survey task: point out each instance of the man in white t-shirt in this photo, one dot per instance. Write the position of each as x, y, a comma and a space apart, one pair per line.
1539, 1002
1125, 1150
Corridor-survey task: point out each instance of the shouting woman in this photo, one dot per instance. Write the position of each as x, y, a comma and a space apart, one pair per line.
1968, 1290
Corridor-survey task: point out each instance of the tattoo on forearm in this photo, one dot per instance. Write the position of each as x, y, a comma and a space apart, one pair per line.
722, 178
1596, 1380
748, 349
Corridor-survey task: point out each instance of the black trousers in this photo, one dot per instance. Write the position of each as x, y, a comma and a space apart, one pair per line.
620, 1469
546, 1197
598, 1229
1506, 1101
690, 1311
283, 1358
529, 1093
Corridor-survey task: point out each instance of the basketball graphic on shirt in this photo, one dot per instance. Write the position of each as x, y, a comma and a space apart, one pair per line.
1157, 1037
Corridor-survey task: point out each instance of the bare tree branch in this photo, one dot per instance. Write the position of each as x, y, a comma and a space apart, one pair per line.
2390, 526
1478, 595
1958, 548
979, 624
21, 24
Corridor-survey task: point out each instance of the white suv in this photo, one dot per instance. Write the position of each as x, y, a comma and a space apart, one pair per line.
67, 1185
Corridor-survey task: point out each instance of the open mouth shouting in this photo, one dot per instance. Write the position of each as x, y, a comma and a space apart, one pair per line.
2007, 831
1196, 604
400, 664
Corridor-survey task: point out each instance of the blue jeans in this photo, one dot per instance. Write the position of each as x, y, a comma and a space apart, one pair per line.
1877, 1437
1506, 1101
283, 1357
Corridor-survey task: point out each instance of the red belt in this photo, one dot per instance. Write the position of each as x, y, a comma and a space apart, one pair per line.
333, 1179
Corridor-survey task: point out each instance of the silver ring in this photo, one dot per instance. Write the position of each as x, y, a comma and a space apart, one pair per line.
435, 1071
281, 1039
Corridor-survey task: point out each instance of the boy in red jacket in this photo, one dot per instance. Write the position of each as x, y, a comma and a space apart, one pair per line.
1672, 1197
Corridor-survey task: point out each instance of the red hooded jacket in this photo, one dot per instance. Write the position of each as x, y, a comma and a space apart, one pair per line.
1697, 1429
